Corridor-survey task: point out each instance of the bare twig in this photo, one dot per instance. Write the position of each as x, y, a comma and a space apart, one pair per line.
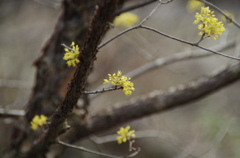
134, 27
11, 113
64, 45
135, 6
176, 58
189, 43
222, 12
168, 36
150, 14
86, 150
103, 90
116, 36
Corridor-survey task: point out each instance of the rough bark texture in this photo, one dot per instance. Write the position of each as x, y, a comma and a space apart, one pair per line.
158, 101
98, 27
52, 71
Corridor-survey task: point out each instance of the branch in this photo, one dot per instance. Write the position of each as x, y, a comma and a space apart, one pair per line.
168, 36
158, 101
86, 150
189, 43
135, 6
160, 62
98, 28
103, 90
11, 113
164, 136
222, 12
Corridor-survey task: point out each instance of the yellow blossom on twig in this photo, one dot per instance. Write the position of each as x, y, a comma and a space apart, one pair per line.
194, 5
119, 80
125, 134
71, 55
38, 121
209, 24
126, 20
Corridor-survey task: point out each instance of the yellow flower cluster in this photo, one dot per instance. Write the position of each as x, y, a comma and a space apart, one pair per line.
126, 20
71, 55
125, 134
119, 80
194, 5
38, 121
210, 26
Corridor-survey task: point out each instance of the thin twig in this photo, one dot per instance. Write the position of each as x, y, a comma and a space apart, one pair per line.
168, 36
150, 14
64, 45
222, 12
11, 113
160, 62
116, 36
189, 43
103, 90
135, 6
86, 150
134, 27
154, 10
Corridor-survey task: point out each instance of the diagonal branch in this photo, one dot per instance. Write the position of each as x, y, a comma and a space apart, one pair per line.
11, 113
134, 6
98, 28
158, 101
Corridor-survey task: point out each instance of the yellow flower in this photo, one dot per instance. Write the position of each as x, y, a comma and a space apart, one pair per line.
119, 80
194, 5
125, 134
126, 20
209, 24
71, 55
38, 121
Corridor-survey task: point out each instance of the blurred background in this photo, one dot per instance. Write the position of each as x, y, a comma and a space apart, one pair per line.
207, 128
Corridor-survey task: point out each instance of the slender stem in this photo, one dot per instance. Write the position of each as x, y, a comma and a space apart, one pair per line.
86, 150
186, 42
150, 14
102, 91
135, 6
118, 35
200, 40
64, 45
11, 113
154, 10
134, 27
